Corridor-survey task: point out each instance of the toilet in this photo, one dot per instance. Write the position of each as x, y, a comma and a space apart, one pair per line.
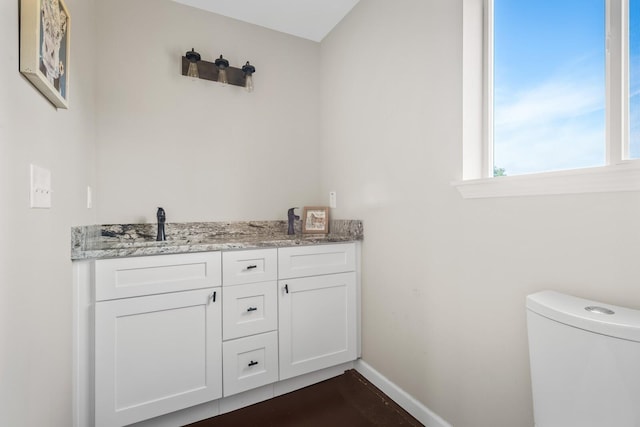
585, 362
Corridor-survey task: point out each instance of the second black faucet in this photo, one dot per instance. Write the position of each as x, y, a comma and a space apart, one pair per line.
162, 217
292, 217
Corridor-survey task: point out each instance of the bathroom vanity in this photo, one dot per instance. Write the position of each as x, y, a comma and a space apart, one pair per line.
177, 331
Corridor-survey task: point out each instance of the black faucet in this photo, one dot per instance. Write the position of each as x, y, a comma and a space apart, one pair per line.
162, 217
292, 217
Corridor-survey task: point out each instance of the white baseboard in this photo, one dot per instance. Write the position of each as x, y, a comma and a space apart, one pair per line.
401, 397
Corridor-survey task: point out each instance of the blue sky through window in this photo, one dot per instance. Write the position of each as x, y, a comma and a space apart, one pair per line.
549, 84
634, 78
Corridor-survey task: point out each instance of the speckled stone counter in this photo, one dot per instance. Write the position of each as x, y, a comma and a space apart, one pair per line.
123, 240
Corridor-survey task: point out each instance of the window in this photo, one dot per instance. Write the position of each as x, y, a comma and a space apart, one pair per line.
634, 79
548, 85
551, 95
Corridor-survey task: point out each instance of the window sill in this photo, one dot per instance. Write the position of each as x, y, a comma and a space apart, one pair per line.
622, 177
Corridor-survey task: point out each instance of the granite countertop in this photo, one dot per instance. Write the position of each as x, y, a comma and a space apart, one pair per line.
124, 240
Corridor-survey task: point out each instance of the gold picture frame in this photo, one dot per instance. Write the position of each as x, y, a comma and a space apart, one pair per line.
45, 41
315, 220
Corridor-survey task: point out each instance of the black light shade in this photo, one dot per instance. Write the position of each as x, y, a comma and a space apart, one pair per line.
192, 55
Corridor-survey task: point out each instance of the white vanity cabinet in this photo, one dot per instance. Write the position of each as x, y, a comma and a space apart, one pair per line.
183, 337
317, 307
250, 319
158, 335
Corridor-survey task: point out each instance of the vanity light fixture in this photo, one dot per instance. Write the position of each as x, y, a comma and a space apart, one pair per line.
193, 57
218, 70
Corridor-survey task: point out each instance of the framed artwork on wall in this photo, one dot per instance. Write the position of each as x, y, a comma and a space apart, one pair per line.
315, 220
44, 47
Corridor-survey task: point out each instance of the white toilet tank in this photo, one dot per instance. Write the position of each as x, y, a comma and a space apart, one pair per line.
585, 362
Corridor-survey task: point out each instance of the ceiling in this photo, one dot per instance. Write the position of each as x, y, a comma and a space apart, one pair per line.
309, 19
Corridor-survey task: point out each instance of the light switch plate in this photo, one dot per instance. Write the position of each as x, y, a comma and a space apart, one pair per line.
40, 196
332, 199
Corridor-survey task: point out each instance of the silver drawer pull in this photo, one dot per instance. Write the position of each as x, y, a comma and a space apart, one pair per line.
252, 363
251, 267
252, 309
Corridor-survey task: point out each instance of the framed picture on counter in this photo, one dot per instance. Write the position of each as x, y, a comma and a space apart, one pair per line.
315, 220
44, 47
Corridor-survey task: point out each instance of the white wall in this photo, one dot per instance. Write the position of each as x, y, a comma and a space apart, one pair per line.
444, 279
35, 265
203, 151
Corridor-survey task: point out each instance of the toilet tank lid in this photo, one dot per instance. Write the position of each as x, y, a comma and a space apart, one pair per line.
570, 310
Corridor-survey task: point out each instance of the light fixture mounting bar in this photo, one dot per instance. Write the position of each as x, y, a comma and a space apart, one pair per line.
209, 71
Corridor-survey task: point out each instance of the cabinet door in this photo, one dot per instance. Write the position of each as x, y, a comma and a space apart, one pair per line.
317, 323
156, 354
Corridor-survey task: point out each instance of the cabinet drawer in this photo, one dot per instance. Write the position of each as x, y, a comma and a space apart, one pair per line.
129, 277
249, 266
249, 309
316, 260
250, 362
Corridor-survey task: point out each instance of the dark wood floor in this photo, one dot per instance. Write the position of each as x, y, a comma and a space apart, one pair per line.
348, 400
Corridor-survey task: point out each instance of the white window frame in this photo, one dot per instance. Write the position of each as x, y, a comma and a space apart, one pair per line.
618, 174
